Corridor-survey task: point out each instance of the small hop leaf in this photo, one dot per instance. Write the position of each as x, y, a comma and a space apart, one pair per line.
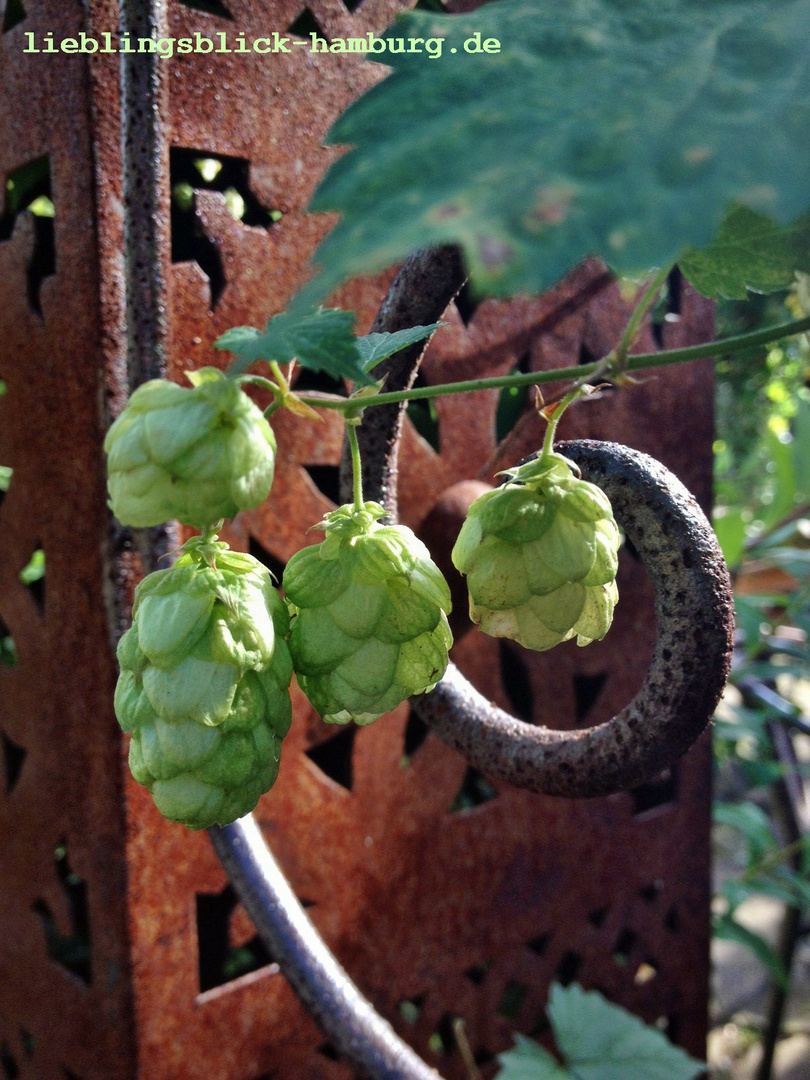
750, 252
602, 1041
598, 1041
320, 340
374, 348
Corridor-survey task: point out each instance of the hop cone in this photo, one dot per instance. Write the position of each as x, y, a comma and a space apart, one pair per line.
196, 455
370, 625
540, 555
204, 685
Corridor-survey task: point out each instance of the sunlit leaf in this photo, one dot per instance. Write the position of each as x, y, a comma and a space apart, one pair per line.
750, 251
321, 340
374, 348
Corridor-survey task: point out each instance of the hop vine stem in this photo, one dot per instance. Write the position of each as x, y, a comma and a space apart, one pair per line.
357, 468
604, 367
646, 301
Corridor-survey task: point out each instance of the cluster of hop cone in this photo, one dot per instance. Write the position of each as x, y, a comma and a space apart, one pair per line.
207, 663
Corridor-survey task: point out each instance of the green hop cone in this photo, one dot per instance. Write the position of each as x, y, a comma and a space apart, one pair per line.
540, 555
204, 684
370, 617
196, 455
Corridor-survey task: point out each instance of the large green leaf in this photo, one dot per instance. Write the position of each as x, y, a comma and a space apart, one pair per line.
623, 128
750, 251
601, 1041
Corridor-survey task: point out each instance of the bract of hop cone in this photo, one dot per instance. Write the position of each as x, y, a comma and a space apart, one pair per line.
193, 455
370, 616
540, 554
203, 689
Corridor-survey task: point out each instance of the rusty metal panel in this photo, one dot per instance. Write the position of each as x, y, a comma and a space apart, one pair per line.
65, 986
442, 896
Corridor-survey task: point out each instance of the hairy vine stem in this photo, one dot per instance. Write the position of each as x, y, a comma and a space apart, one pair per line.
609, 367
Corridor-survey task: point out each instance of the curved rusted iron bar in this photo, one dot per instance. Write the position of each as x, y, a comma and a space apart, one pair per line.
361, 1035
690, 665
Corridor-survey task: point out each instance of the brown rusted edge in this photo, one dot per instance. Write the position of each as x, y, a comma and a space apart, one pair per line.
695, 616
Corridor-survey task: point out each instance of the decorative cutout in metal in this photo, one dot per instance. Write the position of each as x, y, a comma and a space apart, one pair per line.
443, 893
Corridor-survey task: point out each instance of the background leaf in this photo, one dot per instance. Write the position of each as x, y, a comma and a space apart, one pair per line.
321, 340
600, 127
528, 1061
750, 251
750, 820
727, 928
601, 1041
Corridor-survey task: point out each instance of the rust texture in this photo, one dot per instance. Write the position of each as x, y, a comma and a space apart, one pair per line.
124, 952
66, 1005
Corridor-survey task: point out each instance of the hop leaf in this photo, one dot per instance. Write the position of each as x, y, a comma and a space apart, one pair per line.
203, 689
540, 555
370, 617
196, 455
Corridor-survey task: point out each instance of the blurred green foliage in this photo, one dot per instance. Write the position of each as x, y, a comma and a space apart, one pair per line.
762, 448
762, 519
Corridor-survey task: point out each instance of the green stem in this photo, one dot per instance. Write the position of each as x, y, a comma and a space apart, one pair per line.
636, 362
259, 380
209, 534
282, 382
548, 441
357, 468
640, 310
555, 417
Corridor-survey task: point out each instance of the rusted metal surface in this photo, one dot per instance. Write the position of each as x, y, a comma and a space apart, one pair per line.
357, 1031
66, 1006
442, 897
